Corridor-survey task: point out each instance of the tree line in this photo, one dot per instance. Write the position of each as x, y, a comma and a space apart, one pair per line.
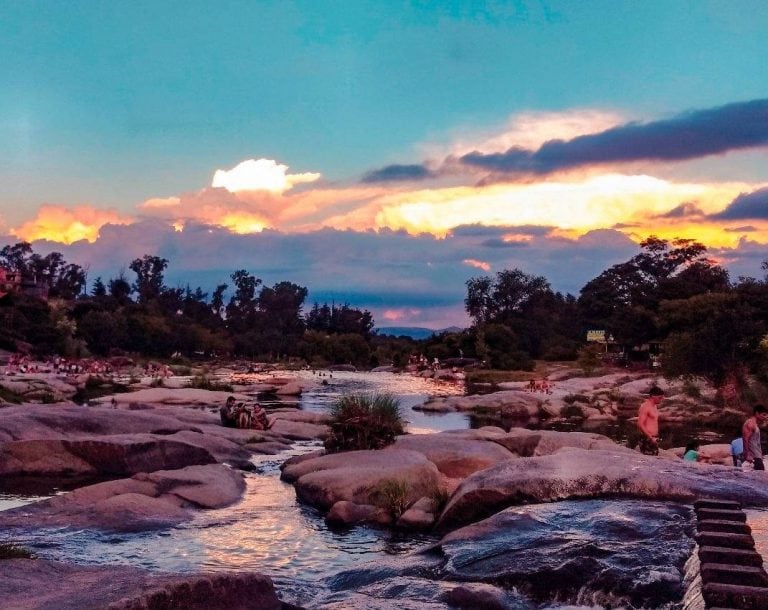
671, 294
143, 315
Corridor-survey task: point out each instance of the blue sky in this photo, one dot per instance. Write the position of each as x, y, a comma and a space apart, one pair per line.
110, 104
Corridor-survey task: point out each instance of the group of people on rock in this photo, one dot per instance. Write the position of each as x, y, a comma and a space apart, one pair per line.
543, 386
20, 363
239, 415
746, 450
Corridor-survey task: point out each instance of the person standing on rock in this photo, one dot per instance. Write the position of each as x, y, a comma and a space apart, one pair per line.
648, 422
750, 432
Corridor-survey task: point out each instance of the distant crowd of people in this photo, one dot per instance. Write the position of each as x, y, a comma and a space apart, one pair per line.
23, 364
543, 386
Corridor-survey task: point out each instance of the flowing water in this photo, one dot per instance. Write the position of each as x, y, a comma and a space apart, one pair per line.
270, 532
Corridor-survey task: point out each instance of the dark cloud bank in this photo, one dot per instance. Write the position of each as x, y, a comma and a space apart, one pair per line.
385, 270
690, 135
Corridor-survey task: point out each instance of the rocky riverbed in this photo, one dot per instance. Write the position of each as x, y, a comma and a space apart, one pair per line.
492, 499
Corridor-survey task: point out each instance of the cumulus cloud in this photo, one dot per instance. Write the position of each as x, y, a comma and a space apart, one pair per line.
67, 225
686, 136
260, 175
747, 206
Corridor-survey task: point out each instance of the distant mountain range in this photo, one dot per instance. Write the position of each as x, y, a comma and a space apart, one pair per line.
415, 332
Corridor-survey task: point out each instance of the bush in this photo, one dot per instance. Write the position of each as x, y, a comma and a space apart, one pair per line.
393, 494
572, 411
364, 421
569, 399
203, 382
11, 551
690, 389
589, 358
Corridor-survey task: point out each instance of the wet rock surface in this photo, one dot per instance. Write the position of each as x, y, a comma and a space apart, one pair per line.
577, 473
144, 502
124, 588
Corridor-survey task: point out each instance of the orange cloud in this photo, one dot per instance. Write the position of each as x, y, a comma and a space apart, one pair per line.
471, 262
394, 315
67, 225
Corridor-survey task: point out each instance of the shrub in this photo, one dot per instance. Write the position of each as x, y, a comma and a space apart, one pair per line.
203, 382
393, 494
364, 421
690, 389
572, 398
440, 497
589, 358
572, 411
11, 551
157, 382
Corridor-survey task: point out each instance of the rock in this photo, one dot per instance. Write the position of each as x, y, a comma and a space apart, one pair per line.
421, 516
293, 388
125, 588
172, 396
456, 455
580, 473
143, 502
348, 513
109, 455
357, 476
475, 596
298, 430
628, 553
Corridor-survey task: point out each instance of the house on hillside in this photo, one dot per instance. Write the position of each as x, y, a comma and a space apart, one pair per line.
15, 282
10, 281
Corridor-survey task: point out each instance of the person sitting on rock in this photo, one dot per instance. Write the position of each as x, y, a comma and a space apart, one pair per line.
259, 419
227, 414
737, 451
691, 451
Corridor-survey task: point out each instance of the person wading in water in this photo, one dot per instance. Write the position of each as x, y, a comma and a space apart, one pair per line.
648, 422
750, 432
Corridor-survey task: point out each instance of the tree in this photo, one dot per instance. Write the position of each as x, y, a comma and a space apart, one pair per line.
710, 335
149, 272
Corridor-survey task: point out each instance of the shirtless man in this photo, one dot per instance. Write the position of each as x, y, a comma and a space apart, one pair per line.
750, 432
648, 421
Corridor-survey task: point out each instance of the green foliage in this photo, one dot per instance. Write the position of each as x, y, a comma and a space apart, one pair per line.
203, 382
12, 551
572, 398
393, 495
589, 358
7, 395
440, 497
157, 382
572, 411
710, 335
364, 421
690, 389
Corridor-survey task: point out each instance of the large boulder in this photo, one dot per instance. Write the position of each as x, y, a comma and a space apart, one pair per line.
361, 477
25, 585
456, 455
143, 502
580, 473
109, 455
628, 553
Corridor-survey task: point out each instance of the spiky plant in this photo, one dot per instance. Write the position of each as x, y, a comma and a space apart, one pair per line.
364, 421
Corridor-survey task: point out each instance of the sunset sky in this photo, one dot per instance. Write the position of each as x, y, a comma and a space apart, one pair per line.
382, 153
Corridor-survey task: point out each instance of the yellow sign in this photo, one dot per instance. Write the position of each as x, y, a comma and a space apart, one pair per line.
596, 336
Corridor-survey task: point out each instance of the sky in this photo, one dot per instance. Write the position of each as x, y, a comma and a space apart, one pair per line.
383, 153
